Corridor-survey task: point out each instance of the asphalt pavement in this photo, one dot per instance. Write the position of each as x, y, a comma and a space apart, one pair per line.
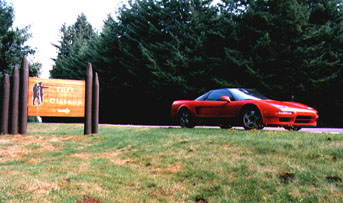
324, 130
312, 130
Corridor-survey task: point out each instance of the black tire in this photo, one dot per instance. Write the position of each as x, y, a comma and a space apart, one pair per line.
292, 128
225, 126
186, 119
251, 119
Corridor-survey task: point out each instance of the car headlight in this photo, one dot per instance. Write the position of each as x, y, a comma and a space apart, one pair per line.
284, 112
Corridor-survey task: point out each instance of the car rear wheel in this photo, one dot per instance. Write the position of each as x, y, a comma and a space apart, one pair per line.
251, 119
292, 128
186, 119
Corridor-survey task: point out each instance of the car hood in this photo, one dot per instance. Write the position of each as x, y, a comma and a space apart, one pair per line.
289, 106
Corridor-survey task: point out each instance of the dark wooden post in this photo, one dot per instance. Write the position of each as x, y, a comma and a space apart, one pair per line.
95, 113
14, 101
88, 104
5, 104
24, 94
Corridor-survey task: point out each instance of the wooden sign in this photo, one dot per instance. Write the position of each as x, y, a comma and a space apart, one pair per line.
56, 97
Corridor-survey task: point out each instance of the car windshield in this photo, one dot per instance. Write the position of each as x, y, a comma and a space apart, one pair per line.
247, 94
202, 97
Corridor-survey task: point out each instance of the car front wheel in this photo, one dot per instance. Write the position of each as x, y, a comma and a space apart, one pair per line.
225, 126
292, 128
251, 119
185, 119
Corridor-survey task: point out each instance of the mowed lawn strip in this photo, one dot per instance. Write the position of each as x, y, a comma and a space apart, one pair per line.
57, 163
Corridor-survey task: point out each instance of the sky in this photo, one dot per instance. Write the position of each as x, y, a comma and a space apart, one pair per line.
45, 18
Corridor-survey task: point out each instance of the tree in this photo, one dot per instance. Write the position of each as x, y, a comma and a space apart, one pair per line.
291, 47
12, 41
322, 62
73, 44
34, 69
155, 52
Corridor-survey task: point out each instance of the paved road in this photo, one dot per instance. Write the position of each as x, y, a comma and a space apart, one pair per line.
324, 130
313, 130
316, 130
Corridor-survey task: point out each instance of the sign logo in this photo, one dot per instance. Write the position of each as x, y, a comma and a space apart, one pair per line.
38, 93
56, 97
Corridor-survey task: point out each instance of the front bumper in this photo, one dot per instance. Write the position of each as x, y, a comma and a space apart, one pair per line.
301, 119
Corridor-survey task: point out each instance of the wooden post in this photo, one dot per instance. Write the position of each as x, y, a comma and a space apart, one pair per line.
14, 101
24, 85
5, 104
95, 113
88, 104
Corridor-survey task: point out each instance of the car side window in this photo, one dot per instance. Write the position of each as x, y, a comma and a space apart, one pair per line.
215, 95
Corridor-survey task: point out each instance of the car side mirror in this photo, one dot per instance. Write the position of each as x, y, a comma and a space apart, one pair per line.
225, 98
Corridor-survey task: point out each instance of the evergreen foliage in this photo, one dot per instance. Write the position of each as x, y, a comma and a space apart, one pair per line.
155, 52
12, 42
73, 44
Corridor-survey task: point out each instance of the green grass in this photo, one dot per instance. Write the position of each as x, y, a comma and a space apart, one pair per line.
56, 163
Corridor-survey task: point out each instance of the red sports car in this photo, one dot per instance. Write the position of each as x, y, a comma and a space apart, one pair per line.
242, 107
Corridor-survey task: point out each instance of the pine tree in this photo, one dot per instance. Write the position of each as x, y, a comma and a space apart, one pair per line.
75, 39
279, 43
156, 51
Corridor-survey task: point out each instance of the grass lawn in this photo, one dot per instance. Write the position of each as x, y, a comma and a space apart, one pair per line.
56, 163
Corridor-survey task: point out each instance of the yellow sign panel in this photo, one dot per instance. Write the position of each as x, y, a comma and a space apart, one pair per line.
56, 97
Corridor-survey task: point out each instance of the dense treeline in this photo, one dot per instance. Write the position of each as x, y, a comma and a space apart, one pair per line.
155, 52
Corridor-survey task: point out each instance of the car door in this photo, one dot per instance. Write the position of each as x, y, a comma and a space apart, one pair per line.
213, 106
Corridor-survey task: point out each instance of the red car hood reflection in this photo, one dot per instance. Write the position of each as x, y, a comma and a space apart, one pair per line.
289, 106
